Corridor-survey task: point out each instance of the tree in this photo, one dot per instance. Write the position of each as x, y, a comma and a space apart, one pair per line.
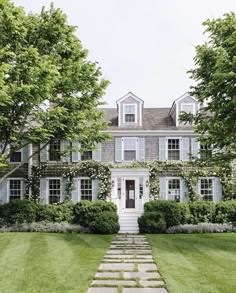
215, 88
43, 62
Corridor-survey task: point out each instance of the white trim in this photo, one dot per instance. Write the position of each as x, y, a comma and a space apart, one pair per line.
213, 186
130, 132
140, 115
21, 186
180, 148
186, 95
135, 114
119, 116
177, 115
47, 190
129, 94
122, 147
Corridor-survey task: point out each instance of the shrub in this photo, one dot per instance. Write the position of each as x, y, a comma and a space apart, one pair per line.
201, 228
225, 212
86, 212
60, 212
152, 222
105, 223
174, 213
62, 227
18, 211
201, 212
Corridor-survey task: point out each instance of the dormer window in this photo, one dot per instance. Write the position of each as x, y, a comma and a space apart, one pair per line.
130, 113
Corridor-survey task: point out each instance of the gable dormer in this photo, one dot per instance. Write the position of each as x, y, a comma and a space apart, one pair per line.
185, 103
130, 111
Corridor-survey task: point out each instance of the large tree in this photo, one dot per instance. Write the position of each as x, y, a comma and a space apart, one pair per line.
215, 87
43, 62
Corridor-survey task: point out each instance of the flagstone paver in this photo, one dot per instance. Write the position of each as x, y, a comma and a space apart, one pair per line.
128, 267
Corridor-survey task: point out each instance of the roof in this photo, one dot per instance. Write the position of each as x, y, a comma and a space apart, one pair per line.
153, 119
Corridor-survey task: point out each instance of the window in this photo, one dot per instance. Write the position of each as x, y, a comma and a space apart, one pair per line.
86, 189
140, 188
173, 149
130, 113
205, 151
86, 155
54, 191
188, 108
54, 150
206, 189
174, 189
130, 148
15, 189
15, 157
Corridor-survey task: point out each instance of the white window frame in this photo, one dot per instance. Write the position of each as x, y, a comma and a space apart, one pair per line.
79, 187
180, 148
167, 187
61, 188
19, 151
135, 113
213, 188
188, 104
21, 186
123, 149
48, 150
210, 149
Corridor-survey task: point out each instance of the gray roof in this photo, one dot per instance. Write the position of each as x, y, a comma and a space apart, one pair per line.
153, 119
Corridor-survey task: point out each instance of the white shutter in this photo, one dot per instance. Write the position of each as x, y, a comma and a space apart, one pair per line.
44, 190
162, 149
3, 192
141, 149
75, 152
44, 152
163, 182
97, 152
65, 148
118, 149
185, 148
183, 191
217, 189
25, 153
95, 188
75, 191
195, 148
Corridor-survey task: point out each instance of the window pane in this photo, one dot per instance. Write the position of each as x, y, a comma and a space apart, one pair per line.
86, 156
129, 155
54, 190
86, 189
206, 189
14, 189
129, 109
15, 157
187, 108
173, 149
54, 150
130, 144
129, 118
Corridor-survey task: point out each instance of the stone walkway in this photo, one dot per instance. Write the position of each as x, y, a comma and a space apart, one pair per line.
128, 267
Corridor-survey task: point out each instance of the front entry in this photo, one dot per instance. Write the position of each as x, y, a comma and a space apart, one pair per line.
130, 194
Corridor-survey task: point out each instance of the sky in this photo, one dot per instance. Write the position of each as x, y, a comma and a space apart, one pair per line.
142, 46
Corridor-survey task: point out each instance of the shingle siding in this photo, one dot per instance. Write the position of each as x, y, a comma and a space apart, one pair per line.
151, 148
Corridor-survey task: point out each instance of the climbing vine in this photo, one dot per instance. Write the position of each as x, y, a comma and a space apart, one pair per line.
188, 171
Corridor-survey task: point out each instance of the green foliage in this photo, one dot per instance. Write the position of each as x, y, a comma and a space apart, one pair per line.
43, 61
18, 211
215, 77
202, 212
173, 212
60, 212
225, 212
87, 212
152, 222
105, 223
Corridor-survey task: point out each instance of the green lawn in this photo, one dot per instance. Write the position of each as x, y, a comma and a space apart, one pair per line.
197, 262
41, 262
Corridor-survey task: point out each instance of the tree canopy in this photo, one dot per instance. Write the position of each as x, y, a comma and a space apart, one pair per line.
215, 87
43, 62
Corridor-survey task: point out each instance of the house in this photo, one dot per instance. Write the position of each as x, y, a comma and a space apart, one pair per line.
139, 134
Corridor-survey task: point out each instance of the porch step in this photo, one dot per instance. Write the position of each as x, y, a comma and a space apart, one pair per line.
129, 222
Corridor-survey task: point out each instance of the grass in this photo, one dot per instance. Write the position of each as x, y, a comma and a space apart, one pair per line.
202, 263
44, 262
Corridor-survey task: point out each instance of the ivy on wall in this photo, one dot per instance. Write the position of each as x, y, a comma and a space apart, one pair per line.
188, 171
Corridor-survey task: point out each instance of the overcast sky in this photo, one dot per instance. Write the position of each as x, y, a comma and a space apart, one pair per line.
143, 46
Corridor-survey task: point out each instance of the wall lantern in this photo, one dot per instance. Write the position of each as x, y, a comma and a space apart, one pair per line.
112, 183
147, 183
